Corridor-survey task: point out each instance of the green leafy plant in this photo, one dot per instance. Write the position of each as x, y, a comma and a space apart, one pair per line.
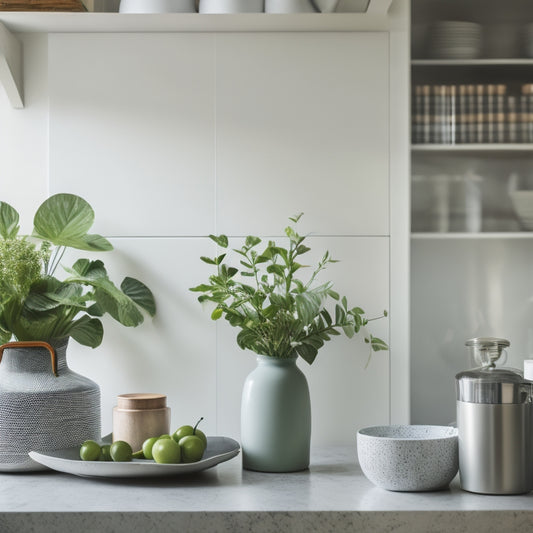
36, 305
278, 314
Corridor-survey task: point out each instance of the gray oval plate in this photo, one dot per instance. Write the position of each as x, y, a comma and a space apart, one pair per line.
219, 449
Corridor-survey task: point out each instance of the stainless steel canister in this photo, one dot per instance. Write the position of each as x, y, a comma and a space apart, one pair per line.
495, 424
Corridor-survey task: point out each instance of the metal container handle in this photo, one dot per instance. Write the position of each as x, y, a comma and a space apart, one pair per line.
32, 344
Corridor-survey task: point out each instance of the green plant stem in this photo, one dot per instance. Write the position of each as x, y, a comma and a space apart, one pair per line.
288, 263
55, 259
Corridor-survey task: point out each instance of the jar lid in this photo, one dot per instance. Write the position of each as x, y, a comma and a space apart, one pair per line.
141, 401
487, 342
487, 350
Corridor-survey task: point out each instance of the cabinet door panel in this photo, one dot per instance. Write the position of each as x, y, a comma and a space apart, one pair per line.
302, 125
131, 129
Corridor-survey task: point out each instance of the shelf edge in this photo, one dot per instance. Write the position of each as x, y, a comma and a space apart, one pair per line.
493, 147
512, 61
466, 236
62, 22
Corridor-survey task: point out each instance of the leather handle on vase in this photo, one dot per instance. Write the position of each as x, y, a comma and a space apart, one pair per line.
32, 344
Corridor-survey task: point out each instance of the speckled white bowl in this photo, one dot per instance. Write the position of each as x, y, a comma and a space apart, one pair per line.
409, 458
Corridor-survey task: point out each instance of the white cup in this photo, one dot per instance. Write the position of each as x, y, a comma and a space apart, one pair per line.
528, 369
157, 6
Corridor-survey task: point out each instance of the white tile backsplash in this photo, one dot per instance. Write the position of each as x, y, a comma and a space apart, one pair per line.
148, 128
301, 126
241, 134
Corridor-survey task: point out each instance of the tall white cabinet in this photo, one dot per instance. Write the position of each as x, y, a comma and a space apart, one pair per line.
471, 256
231, 126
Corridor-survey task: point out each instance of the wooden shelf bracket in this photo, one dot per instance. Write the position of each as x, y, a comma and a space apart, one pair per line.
11, 66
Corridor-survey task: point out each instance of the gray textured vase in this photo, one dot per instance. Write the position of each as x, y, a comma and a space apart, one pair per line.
275, 417
43, 404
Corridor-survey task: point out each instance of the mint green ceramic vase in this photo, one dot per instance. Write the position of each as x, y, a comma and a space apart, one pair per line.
275, 417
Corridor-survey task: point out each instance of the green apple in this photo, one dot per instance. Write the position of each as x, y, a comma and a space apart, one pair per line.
166, 451
185, 431
120, 451
148, 444
105, 454
192, 448
90, 451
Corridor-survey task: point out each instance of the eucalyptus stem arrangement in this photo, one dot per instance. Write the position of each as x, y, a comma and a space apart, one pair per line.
278, 314
37, 305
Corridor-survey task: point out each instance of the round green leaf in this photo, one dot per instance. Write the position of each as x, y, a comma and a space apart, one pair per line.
9, 221
64, 219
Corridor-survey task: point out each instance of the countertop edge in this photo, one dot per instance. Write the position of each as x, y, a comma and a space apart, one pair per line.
268, 521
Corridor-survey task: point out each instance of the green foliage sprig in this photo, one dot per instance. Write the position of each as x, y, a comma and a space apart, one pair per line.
34, 304
278, 314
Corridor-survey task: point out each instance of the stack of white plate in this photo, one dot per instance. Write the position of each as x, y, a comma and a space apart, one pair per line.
450, 39
528, 40
523, 206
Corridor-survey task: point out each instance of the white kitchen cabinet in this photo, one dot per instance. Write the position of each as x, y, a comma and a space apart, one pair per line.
472, 129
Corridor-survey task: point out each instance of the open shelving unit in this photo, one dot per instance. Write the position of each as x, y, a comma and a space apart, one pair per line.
453, 159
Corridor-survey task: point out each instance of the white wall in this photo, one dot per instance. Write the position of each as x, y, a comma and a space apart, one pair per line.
24, 135
174, 136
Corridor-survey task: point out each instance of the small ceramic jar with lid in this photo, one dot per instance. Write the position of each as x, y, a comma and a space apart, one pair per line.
138, 417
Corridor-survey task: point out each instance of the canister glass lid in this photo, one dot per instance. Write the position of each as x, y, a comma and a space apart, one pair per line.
487, 350
489, 384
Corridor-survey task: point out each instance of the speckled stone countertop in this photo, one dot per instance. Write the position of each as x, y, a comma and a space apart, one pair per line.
332, 496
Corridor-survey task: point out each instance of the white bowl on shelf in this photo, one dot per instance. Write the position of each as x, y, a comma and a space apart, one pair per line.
523, 205
352, 6
326, 6
289, 6
157, 6
231, 6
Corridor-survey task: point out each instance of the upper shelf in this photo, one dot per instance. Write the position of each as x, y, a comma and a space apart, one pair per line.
466, 236
376, 18
472, 62
473, 147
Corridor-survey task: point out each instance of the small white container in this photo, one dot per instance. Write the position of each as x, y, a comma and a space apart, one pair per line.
289, 6
138, 417
326, 6
352, 6
528, 369
231, 6
157, 6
